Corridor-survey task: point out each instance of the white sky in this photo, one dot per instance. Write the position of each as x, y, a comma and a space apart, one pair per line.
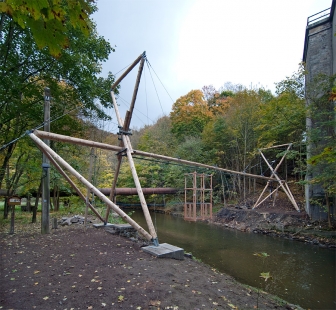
192, 43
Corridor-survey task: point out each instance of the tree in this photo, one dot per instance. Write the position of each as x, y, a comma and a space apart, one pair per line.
48, 20
218, 102
189, 115
282, 120
25, 70
158, 138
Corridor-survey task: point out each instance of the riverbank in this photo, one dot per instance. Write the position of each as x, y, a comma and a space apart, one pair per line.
289, 225
90, 269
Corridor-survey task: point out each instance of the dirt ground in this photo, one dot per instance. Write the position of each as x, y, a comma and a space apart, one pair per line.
76, 269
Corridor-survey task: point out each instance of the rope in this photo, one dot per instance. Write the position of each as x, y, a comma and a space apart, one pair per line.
148, 63
146, 92
154, 86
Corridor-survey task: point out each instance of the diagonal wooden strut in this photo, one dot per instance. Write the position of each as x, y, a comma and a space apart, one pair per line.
62, 172
281, 182
47, 150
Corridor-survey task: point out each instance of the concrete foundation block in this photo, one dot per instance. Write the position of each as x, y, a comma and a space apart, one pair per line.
165, 250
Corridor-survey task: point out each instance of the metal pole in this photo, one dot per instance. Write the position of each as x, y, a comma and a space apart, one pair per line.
45, 168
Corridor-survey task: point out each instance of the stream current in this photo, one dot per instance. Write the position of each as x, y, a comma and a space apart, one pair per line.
302, 274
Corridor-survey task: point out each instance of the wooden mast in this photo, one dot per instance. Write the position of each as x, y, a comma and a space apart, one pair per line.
126, 128
129, 150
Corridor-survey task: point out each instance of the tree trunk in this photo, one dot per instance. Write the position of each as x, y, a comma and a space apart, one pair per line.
36, 202
6, 208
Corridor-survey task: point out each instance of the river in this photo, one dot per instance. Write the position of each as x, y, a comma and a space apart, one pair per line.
302, 274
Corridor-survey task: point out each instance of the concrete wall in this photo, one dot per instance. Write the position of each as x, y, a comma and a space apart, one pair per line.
320, 57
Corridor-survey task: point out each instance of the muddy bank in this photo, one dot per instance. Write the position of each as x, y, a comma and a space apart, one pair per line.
290, 225
93, 269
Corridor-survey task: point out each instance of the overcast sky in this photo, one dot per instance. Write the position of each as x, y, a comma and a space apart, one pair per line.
192, 43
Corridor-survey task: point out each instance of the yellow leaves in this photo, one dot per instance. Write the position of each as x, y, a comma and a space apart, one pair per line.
265, 275
36, 271
121, 298
46, 298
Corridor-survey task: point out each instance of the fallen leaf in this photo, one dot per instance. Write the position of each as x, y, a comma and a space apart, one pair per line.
155, 303
36, 271
261, 254
103, 304
45, 298
265, 275
121, 298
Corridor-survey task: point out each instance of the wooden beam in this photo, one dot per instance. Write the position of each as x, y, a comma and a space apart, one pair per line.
93, 189
87, 201
57, 137
276, 146
61, 171
135, 92
286, 190
124, 191
114, 185
129, 69
78, 141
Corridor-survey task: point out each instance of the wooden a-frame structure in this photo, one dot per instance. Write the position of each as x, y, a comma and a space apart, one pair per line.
124, 148
274, 177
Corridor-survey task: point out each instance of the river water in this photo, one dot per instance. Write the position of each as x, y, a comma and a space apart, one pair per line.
301, 274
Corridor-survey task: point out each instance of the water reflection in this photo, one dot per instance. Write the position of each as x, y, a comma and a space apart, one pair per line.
302, 274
